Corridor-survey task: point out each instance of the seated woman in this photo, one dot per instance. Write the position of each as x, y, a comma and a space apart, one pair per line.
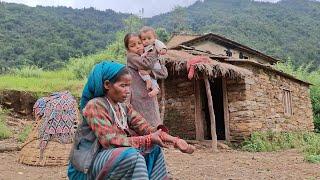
114, 141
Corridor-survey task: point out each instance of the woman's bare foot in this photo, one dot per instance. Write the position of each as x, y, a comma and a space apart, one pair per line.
183, 146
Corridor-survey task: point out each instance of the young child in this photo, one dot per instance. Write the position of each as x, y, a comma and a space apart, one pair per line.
151, 44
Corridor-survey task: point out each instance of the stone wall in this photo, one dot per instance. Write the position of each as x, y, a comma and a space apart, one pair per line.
179, 111
256, 104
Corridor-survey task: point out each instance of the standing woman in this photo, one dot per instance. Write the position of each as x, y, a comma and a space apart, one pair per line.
147, 106
114, 141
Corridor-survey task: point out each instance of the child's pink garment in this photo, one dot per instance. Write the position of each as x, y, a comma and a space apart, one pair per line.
192, 62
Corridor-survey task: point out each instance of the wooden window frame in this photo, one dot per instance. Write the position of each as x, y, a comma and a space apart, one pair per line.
287, 102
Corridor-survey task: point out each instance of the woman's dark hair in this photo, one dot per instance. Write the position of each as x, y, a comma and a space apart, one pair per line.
123, 71
127, 37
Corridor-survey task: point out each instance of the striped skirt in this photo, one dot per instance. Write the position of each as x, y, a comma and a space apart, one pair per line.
128, 163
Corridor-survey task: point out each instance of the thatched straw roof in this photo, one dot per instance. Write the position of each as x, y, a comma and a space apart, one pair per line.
176, 61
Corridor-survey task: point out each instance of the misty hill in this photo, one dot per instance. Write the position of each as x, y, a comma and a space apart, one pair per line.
48, 37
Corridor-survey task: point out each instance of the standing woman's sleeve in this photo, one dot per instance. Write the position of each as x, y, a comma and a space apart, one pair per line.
160, 73
137, 62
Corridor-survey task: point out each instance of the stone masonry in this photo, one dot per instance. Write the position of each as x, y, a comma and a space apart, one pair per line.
179, 111
256, 104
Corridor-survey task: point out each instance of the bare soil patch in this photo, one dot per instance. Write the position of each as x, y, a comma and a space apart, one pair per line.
203, 164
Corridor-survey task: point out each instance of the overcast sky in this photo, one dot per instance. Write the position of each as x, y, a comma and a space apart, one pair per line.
151, 7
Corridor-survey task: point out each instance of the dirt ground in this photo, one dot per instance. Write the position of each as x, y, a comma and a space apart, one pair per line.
203, 164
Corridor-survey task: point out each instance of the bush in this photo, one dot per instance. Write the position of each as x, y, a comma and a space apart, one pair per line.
4, 130
82, 66
27, 71
308, 142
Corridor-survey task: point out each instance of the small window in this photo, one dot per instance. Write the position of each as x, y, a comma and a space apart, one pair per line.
228, 52
287, 102
242, 56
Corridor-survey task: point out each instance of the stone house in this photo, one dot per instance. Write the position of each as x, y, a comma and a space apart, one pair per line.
238, 91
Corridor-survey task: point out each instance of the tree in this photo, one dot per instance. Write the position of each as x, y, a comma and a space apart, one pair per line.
163, 35
179, 19
132, 23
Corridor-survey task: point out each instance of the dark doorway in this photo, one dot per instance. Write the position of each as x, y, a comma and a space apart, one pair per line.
217, 98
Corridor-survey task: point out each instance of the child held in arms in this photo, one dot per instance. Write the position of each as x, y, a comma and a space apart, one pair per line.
151, 43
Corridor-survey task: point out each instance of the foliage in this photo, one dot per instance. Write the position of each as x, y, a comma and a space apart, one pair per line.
304, 72
27, 71
4, 130
286, 29
309, 143
162, 34
81, 67
132, 23
24, 134
48, 36
72, 77
179, 20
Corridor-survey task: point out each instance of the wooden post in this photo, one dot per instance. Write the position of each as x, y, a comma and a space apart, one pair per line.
226, 109
198, 112
212, 116
163, 98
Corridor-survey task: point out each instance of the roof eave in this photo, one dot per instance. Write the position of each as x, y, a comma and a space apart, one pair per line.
228, 41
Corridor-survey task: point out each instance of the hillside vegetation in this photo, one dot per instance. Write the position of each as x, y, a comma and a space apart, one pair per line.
48, 37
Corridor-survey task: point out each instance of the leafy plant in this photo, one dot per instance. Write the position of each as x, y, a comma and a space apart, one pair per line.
309, 143
24, 133
4, 130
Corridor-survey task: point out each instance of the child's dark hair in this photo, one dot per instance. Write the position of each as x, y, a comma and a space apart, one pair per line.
127, 38
145, 29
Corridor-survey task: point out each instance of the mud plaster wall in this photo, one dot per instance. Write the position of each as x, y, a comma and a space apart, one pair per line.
179, 110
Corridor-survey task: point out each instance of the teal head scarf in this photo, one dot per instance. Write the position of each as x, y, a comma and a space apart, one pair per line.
106, 70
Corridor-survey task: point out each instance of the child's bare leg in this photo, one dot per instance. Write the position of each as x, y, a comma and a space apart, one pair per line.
155, 88
154, 92
144, 74
148, 84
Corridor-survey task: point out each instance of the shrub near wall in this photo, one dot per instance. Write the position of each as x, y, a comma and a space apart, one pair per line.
309, 143
4, 130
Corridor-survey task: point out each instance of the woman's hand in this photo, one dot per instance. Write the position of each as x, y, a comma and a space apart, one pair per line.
155, 139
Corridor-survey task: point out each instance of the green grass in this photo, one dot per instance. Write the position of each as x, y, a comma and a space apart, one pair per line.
308, 142
47, 82
71, 78
81, 67
4, 130
24, 134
